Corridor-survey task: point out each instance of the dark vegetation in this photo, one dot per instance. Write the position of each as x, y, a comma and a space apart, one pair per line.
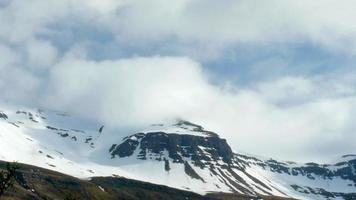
7, 177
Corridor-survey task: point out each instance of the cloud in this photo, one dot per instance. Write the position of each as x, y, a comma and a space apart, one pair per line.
325, 23
138, 62
128, 91
9, 57
254, 122
18, 85
40, 54
195, 25
289, 113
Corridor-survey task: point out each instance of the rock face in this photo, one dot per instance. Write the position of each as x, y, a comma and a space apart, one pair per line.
3, 115
199, 151
311, 179
198, 154
197, 148
345, 170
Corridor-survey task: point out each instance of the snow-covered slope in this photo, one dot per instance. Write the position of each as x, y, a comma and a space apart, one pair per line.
181, 155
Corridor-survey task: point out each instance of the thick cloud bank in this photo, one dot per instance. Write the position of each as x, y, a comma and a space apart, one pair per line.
292, 113
132, 63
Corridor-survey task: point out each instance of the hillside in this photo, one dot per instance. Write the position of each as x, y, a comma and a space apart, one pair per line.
39, 184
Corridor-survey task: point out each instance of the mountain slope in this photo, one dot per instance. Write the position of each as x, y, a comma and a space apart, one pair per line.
38, 184
181, 155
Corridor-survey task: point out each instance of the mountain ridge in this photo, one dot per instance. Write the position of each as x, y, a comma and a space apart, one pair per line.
181, 155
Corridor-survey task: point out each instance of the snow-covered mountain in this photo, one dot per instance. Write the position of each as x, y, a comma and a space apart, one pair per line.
181, 155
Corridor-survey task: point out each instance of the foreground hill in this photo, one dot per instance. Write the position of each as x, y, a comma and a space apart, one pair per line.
41, 184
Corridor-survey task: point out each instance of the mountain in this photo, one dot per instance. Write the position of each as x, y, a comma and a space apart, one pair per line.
180, 155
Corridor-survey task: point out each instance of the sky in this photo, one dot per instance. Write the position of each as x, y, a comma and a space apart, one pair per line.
275, 78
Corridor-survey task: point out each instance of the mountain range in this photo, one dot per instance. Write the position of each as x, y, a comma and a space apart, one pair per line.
180, 155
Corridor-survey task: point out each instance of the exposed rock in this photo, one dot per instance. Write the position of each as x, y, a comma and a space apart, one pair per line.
14, 124
52, 128
125, 149
63, 134
190, 172
88, 139
78, 131
166, 165
101, 129
197, 148
3, 116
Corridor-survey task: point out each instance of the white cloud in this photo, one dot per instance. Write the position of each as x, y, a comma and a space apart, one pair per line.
128, 91
287, 89
40, 54
327, 23
104, 6
18, 85
146, 90
8, 57
297, 114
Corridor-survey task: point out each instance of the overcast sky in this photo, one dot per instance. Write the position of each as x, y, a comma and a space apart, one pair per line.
275, 78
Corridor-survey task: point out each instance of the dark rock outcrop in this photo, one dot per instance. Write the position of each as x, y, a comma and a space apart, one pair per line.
178, 146
190, 172
3, 116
